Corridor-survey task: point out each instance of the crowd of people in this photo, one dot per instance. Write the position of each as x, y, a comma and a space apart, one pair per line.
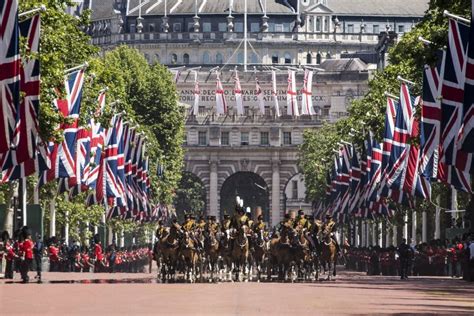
436, 258
22, 254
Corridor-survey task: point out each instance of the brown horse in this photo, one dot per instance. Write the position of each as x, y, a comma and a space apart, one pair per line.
303, 255
211, 248
260, 249
168, 246
240, 251
189, 256
329, 254
281, 255
225, 253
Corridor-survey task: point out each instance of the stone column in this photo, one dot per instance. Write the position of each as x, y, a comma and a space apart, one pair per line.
387, 235
395, 236
213, 208
413, 227
379, 234
52, 218
275, 192
405, 226
363, 234
356, 233
437, 232
424, 233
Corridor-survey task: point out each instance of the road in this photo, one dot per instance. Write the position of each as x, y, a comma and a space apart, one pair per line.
351, 293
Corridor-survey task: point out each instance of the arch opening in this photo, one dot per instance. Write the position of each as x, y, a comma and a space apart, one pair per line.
251, 188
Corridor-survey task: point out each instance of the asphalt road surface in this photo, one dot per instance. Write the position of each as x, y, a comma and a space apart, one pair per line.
351, 293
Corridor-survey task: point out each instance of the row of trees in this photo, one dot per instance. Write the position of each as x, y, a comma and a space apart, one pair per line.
145, 93
407, 59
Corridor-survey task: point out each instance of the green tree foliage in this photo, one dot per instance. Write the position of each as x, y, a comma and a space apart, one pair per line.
190, 196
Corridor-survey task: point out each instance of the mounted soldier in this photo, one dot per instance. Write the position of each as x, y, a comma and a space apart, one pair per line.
239, 219
328, 229
301, 221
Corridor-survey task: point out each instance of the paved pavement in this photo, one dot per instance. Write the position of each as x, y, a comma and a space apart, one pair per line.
351, 293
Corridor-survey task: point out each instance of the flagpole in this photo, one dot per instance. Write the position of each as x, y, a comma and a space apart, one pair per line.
41, 8
84, 65
245, 37
446, 13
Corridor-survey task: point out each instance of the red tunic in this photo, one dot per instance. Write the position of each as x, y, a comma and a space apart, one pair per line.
98, 252
27, 248
53, 253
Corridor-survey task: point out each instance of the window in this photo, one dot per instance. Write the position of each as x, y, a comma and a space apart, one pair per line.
190, 27
205, 58
244, 138
185, 140
206, 27
240, 58
219, 59
275, 59
264, 138
267, 111
350, 28
318, 59
401, 29
157, 58
286, 138
309, 59
225, 138
202, 138
294, 189
177, 27
173, 59
246, 110
133, 28
286, 27
326, 24
328, 55
222, 27
151, 27
287, 58
254, 58
278, 27
239, 27
317, 25
375, 29
254, 27
186, 59
201, 110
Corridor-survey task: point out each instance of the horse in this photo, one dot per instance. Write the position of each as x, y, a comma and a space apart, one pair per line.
225, 253
189, 256
281, 255
168, 246
260, 248
328, 254
240, 251
211, 248
303, 256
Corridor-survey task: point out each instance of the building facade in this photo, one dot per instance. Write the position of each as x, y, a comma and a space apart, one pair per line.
338, 37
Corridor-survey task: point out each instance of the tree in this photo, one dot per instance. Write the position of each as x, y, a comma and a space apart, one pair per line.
190, 196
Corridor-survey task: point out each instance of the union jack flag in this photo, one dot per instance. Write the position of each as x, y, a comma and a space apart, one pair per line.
467, 140
39, 163
9, 71
63, 155
455, 164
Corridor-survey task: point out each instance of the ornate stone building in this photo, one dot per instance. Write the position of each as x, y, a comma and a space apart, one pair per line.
254, 155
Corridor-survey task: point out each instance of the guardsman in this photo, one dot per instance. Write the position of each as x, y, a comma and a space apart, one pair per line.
188, 224
239, 219
201, 223
328, 228
226, 222
301, 221
259, 225
212, 225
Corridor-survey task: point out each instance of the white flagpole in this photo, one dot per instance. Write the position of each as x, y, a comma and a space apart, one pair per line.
245, 36
274, 93
196, 94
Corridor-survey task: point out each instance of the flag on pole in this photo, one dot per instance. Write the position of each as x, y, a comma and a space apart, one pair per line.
307, 103
275, 94
9, 71
221, 106
260, 97
238, 95
197, 94
291, 100
455, 164
467, 135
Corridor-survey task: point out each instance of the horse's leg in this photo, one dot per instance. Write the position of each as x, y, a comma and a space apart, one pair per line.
335, 261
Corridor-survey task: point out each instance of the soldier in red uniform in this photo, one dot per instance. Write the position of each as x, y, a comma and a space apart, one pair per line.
10, 256
26, 249
53, 252
99, 257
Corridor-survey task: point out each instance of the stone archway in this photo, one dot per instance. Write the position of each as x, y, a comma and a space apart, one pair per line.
251, 187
